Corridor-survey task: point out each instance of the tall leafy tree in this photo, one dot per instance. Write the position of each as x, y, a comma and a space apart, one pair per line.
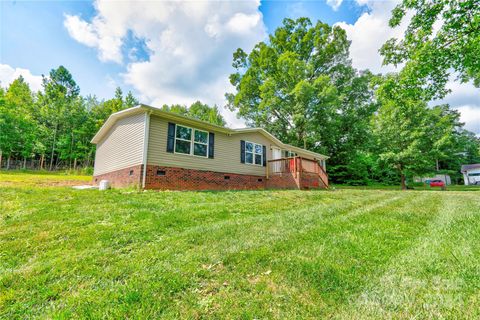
442, 36
20, 128
130, 100
300, 86
285, 85
60, 91
410, 136
206, 113
198, 111
7, 128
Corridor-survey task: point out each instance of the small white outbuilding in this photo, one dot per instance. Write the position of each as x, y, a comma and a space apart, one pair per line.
471, 174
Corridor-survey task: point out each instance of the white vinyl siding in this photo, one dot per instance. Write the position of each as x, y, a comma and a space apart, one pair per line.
122, 146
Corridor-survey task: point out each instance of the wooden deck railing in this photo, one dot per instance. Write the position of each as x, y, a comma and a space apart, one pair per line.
314, 167
294, 165
282, 165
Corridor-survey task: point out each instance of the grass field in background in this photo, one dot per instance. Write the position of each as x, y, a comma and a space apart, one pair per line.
343, 254
22, 178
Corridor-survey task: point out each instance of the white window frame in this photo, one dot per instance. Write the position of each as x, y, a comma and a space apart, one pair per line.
192, 141
254, 153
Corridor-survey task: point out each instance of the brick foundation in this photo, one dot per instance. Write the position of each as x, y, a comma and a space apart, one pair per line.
168, 178
287, 180
128, 177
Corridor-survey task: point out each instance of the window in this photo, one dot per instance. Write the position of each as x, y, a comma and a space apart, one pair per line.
191, 141
474, 174
253, 153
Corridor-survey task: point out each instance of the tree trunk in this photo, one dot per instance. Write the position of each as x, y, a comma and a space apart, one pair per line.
75, 164
438, 165
24, 163
404, 185
0, 159
8, 162
42, 158
71, 151
53, 146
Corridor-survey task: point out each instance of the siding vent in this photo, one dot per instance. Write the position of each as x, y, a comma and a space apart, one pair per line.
260, 180
161, 172
130, 173
226, 177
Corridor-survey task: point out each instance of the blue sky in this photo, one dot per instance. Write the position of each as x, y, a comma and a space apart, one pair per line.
33, 36
170, 52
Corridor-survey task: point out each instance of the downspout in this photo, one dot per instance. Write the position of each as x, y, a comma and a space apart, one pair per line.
145, 147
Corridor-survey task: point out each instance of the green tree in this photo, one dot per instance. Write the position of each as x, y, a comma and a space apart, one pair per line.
286, 85
410, 136
130, 100
60, 91
430, 54
198, 111
102, 110
20, 129
7, 128
301, 87
206, 113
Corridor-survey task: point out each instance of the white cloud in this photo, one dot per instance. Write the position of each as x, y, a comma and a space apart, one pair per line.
9, 74
470, 115
369, 33
96, 35
464, 97
335, 4
190, 44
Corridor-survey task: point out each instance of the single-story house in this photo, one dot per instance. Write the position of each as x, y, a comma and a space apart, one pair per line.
471, 173
153, 149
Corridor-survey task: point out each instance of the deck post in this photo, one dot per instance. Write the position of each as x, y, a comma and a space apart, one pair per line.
266, 169
300, 168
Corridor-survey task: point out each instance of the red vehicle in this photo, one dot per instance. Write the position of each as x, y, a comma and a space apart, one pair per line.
437, 183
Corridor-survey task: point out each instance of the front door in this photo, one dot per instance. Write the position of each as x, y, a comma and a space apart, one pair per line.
277, 165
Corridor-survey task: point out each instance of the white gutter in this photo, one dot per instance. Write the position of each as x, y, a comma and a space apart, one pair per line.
145, 147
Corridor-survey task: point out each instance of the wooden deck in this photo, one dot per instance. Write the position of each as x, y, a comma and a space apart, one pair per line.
305, 171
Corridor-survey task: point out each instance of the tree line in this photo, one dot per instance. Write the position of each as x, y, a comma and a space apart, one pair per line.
301, 86
52, 128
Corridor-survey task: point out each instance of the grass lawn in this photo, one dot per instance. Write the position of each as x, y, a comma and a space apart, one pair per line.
343, 254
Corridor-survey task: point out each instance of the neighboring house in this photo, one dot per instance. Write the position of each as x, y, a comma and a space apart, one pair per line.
154, 149
471, 174
444, 177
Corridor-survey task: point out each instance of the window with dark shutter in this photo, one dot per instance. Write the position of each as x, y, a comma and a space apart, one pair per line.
211, 142
171, 137
242, 151
264, 156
